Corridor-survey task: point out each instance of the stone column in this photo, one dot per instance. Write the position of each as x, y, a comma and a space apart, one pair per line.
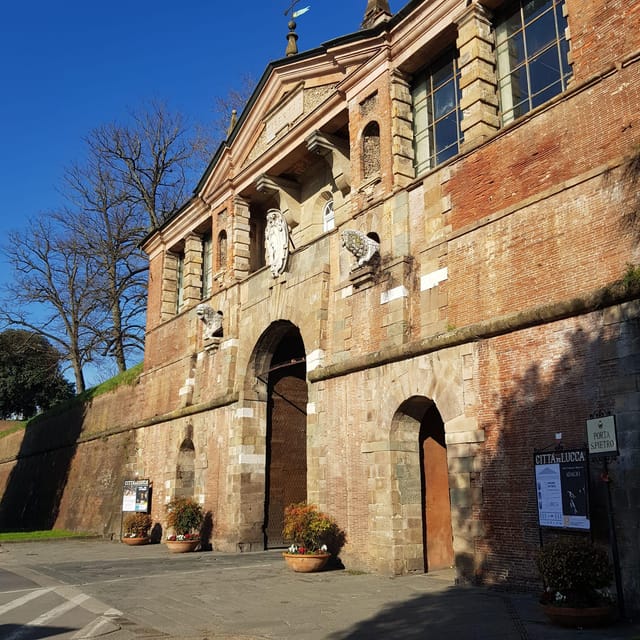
478, 83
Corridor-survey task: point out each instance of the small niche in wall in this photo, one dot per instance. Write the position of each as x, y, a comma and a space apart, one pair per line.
371, 150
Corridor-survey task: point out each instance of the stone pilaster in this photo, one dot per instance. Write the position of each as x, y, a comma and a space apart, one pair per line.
401, 130
169, 286
479, 103
241, 239
192, 276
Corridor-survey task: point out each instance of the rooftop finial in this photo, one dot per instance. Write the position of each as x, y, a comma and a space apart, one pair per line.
377, 11
292, 36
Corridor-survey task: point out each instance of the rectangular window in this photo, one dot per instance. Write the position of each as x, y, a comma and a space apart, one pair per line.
532, 55
436, 112
180, 281
207, 265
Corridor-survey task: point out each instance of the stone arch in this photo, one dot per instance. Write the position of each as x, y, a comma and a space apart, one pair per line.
420, 495
271, 428
185, 475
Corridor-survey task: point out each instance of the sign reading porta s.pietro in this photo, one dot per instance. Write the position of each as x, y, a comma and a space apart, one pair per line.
601, 435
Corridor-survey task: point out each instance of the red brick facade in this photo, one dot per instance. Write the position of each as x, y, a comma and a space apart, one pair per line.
492, 304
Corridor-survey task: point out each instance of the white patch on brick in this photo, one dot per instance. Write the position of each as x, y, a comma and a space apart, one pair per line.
251, 458
315, 359
189, 383
245, 412
433, 279
393, 294
228, 344
347, 291
311, 408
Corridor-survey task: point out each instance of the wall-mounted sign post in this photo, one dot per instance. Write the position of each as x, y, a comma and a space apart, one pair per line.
603, 443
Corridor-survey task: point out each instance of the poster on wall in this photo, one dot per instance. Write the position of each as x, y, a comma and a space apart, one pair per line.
135, 496
562, 489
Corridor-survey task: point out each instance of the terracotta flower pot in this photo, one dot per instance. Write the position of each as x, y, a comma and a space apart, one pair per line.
182, 546
135, 542
579, 618
306, 562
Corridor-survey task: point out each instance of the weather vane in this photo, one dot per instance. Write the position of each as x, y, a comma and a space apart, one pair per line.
292, 36
295, 14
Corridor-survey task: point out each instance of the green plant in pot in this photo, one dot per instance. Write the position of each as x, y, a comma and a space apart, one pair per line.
576, 574
185, 516
136, 527
311, 534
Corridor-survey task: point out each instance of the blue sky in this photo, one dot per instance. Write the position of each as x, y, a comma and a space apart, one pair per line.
67, 67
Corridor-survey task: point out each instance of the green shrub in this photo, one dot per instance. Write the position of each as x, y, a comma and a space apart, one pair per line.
310, 530
137, 525
573, 572
184, 516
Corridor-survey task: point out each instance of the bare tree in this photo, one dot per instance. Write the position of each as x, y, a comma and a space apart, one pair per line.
107, 229
150, 159
228, 108
51, 273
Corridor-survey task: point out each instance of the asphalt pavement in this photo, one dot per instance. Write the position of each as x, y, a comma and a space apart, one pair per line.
81, 589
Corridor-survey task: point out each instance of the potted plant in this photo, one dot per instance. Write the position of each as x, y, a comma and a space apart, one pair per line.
575, 574
185, 516
136, 528
313, 535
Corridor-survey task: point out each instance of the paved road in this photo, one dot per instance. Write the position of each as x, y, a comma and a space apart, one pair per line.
88, 589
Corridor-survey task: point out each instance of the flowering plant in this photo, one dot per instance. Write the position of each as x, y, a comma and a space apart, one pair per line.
137, 525
310, 530
185, 536
574, 573
185, 517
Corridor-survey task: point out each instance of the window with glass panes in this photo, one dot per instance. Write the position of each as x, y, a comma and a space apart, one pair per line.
207, 264
436, 112
179, 281
328, 218
531, 55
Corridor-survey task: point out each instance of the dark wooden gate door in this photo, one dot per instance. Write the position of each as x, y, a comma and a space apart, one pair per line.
287, 454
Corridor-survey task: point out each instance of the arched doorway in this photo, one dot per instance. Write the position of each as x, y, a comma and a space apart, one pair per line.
286, 452
437, 535
423, 477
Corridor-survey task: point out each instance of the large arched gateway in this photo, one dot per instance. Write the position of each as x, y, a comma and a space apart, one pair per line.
280, 369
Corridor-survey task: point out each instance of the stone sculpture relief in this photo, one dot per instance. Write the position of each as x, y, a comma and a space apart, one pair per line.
362, 247
276, 242
212, 321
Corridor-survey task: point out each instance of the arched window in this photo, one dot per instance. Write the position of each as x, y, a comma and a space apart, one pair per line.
371, 150
328, 218
207, 266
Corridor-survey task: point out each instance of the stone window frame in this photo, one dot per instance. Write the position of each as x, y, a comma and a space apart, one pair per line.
179, 279
207, 265
328, 216
425, 86
555, 48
